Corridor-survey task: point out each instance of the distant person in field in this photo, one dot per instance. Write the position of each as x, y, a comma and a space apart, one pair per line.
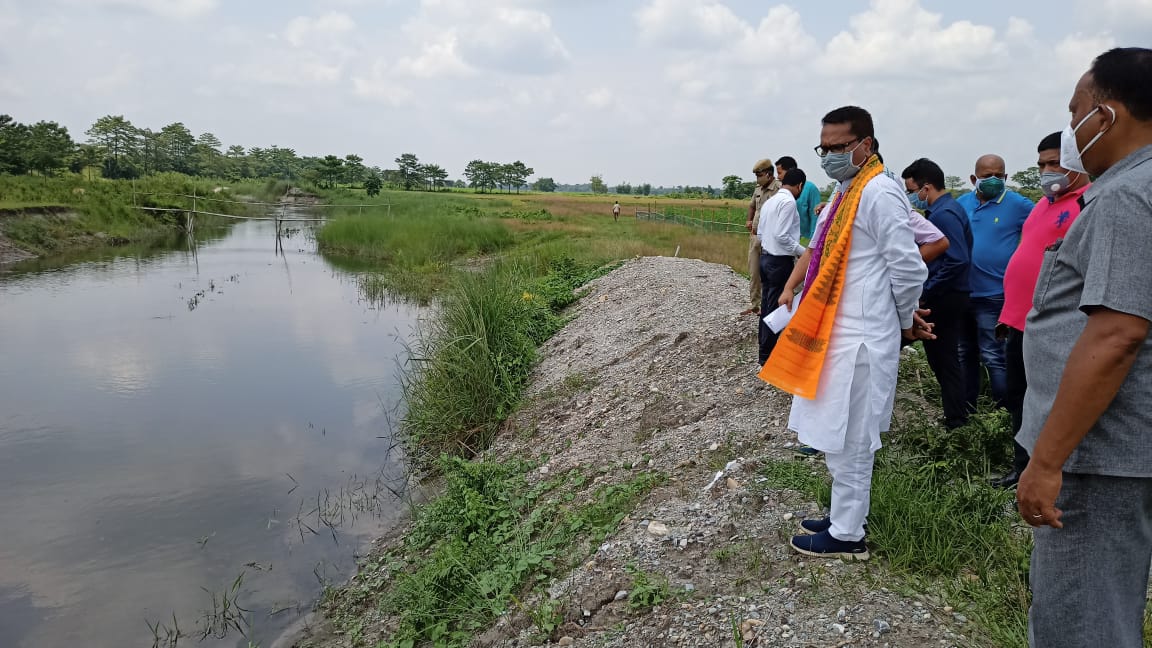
806, 202
766, 186
616, 211
779, 235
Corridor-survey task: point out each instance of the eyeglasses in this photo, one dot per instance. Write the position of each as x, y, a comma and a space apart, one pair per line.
835, 148
760, 173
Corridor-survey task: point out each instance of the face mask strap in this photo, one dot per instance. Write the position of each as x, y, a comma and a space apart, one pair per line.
1101, 133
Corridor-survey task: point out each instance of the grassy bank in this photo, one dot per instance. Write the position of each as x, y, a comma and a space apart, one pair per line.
420, 238
935, 522
479, 551
936, 526
45, 215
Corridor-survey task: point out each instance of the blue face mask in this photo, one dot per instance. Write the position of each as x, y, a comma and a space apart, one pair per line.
914, 198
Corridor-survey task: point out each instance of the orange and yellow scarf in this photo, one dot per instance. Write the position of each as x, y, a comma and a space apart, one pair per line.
798, 359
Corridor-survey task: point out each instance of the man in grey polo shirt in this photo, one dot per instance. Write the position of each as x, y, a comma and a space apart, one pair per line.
1088, 413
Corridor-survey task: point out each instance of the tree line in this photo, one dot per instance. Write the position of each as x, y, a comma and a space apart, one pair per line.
121, 150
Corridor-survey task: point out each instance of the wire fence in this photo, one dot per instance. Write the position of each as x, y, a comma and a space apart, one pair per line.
191, 204
724, 220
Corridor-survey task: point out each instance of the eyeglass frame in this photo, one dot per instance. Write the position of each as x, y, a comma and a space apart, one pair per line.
839, 148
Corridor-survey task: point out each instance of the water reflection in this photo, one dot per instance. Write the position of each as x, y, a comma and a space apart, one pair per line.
149, 449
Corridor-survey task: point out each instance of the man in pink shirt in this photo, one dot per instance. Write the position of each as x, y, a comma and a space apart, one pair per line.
1047, 223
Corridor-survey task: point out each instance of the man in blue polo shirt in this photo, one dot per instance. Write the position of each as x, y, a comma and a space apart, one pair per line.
996, 216
948, 285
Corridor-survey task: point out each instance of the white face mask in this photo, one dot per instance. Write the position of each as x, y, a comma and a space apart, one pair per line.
1070, 153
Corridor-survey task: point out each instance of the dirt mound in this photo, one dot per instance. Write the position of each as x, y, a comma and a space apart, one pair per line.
656, 372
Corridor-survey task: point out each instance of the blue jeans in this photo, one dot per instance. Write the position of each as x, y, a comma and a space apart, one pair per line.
978, 344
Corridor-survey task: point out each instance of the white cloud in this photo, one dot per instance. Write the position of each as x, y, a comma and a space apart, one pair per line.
1018, 29
164, 8
454, 37
308, 52
690, 24
898, 37
514, 40
303, 31
437, 59
113, 78
380, 85
735, 60
1075, 52
1123, 14
600, 98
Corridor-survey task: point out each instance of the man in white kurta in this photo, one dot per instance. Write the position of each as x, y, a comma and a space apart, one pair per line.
857, 384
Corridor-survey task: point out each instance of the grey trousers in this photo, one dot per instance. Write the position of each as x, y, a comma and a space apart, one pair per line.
1090, 579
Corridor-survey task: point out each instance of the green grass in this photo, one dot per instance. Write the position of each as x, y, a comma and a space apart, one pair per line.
53, 214
472, 360
935, 522
483, 547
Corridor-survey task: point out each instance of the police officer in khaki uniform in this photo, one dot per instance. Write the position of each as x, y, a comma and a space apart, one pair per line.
766, 186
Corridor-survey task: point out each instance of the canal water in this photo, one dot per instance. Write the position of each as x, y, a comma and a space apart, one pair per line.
187, 429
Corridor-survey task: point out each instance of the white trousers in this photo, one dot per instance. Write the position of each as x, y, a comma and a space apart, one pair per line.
851, 469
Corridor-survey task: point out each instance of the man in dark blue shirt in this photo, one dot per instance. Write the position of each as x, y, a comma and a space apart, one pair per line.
947, 289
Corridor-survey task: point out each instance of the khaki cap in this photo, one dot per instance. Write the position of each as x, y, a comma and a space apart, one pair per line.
762, 165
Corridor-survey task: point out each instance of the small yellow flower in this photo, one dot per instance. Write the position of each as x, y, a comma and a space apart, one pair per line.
528, 296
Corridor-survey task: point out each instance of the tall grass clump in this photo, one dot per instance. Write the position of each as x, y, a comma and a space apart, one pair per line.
413, 240
475, 353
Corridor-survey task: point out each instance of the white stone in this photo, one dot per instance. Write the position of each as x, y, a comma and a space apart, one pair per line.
658, 529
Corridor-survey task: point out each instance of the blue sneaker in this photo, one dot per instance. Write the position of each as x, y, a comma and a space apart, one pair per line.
823, 545
807, 451
812, 527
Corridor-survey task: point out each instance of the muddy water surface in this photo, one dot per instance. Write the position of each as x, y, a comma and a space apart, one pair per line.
172, 419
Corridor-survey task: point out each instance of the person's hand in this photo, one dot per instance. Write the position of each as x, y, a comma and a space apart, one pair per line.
1001, 331
748, 225
921, 329
820, 207
786, 299
1036, 496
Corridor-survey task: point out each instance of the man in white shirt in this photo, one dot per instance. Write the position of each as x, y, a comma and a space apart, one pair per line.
778, 231
843, 372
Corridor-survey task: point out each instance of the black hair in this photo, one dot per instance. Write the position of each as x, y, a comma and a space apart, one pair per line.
1117, 74
787, 163
859, 120
925, 171
794, 178
1049, 142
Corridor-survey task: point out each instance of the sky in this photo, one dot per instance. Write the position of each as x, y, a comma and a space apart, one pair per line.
668, 92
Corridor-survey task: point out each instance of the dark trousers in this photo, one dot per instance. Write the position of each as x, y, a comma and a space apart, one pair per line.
774, 273
949, 315
1014, 393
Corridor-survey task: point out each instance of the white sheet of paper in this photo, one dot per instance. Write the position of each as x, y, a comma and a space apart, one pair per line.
779, 318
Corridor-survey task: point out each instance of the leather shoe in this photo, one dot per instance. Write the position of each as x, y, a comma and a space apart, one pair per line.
1007, 481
